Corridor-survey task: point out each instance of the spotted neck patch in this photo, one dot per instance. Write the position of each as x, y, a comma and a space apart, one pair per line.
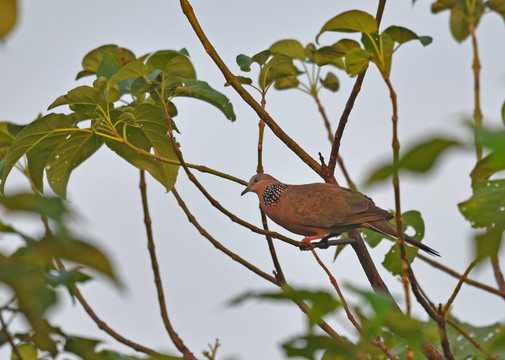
272, 193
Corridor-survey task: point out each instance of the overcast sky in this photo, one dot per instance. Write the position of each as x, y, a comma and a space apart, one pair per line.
40, 59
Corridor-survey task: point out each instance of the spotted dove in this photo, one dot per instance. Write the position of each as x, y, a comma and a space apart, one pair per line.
317, 210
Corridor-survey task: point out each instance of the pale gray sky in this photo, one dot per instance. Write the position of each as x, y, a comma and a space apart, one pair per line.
39, 62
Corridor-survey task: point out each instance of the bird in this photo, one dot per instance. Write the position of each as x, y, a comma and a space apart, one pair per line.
321, 209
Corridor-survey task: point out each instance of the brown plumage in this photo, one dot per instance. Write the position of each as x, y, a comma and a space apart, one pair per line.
316, 210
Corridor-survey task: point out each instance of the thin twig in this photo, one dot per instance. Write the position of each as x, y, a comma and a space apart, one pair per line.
458, 287
279, 274
444, 340
102, 325
477, 113
179, 344
213, 201
10, 340
495, 263
453, 273
333, 281
350, 104
232, 80
216, 243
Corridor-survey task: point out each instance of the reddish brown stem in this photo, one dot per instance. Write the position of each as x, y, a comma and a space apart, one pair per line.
179, 344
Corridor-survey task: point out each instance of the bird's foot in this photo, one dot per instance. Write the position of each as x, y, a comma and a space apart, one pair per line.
307, 240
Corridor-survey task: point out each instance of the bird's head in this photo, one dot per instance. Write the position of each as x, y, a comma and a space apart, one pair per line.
258, 183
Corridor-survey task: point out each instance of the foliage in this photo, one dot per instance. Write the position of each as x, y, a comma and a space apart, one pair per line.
130, 107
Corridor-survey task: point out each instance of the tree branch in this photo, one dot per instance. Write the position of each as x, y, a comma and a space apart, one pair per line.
216, 243
232, 80
156, 271
350, 104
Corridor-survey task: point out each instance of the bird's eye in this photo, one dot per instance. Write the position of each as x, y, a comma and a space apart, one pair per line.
255, 180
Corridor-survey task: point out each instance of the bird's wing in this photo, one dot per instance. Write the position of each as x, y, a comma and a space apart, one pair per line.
333, 207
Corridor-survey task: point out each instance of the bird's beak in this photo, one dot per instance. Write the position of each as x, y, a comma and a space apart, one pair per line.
247, 189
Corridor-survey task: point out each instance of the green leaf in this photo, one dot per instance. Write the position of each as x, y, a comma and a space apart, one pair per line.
261, 57
356, 61
244, 62
490, 337
152, 134
487, 166
488, 243
92, 61
310, 51
486, 207
328, 54
172, 63
322, 302
68, 278
27, 351
497, 6
309, 346
440, 5
392, 261
280, 66
286, 83
77, 251
462, 14
331, 82
291, 48
351, 21
81, 95
132, 70
420, 158
72, 152
51, 207
8, 16
241, 79
400, 34
202, 91
492, 139
37, 140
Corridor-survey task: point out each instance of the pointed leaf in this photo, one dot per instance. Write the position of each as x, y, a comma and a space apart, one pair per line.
356, 61
241, 79
420, 158
76, 148
351, 21
79, 252
486, 167
328, 54
202, 91
39, 139
289, 47
400, 34
261, 57
331, 82
51, 207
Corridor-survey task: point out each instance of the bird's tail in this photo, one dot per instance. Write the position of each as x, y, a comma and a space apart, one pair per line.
386, 228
